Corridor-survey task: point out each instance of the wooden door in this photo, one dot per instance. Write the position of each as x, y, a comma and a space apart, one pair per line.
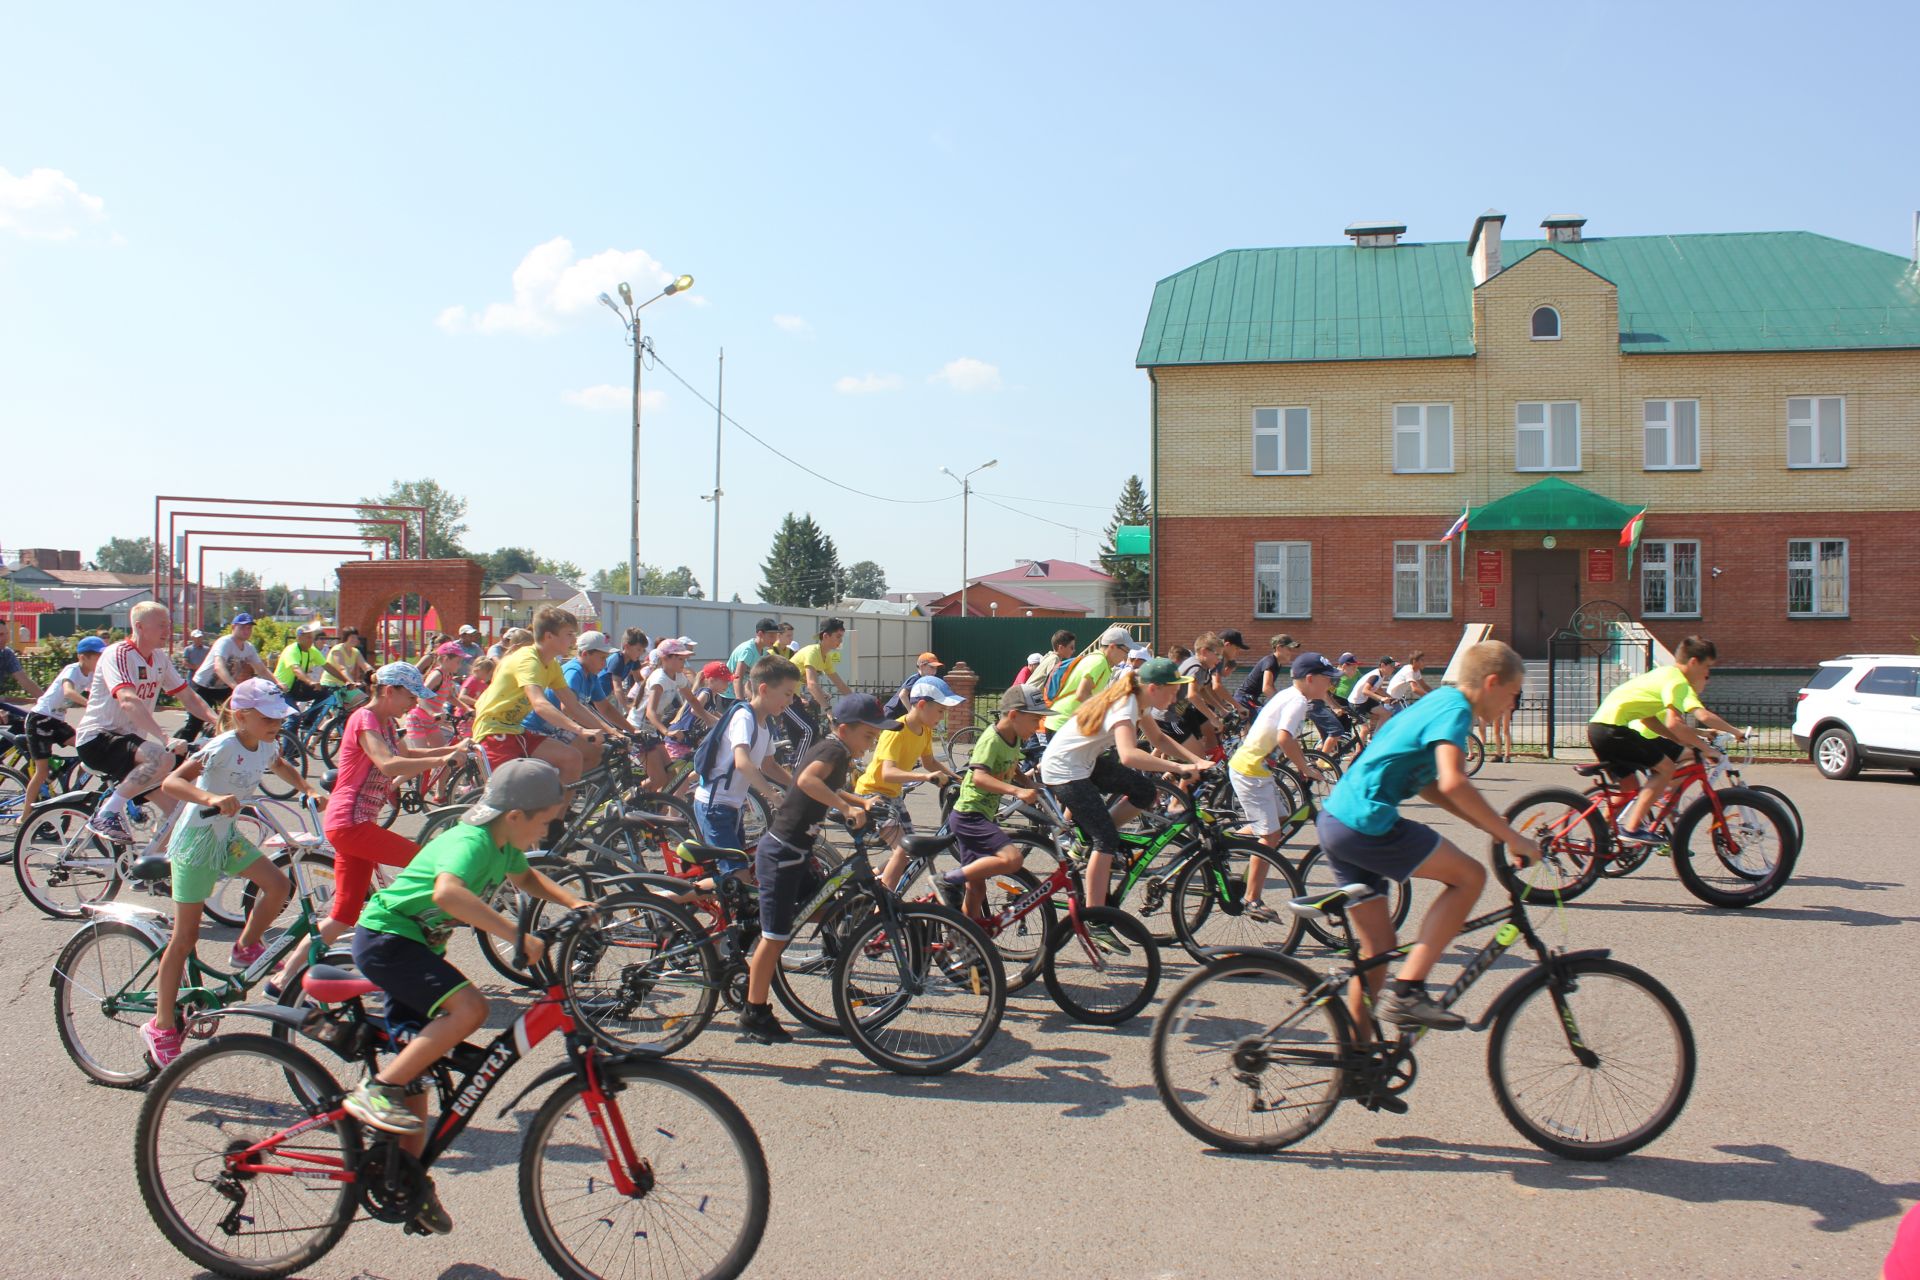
1546, 592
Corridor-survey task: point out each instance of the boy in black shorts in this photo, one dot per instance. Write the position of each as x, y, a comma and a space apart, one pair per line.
783, 862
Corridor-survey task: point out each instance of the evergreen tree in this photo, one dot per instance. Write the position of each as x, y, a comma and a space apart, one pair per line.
1132, 579
802, 568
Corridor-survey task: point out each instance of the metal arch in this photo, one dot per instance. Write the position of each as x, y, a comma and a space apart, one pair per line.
1596, 622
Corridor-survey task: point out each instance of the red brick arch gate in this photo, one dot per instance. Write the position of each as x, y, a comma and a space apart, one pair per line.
367, 587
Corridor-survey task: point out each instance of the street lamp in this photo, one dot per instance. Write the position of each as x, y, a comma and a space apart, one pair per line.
966, 492
630, 320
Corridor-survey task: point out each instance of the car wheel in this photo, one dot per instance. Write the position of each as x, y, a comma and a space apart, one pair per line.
1836, 754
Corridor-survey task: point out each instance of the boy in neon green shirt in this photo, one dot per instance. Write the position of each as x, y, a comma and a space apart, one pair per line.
1643, 725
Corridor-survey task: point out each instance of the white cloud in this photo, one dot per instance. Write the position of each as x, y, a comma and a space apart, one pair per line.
551, 285
47, 205
609, 396
792, 324
968, 374
867, 384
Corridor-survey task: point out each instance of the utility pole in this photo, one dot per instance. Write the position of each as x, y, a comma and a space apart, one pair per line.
719, 426
966, 494
630, 320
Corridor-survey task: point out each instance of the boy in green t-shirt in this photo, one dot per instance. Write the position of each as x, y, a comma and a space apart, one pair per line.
401, 943
993, 771
1642, 724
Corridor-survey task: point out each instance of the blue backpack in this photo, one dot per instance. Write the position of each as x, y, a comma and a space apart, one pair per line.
707, 765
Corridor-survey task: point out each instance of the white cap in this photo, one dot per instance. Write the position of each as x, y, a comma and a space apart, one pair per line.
1033, 659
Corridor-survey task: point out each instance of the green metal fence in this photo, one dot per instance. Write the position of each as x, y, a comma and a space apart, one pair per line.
996, 648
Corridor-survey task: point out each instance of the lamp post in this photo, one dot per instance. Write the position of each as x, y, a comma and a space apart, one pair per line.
630, 320
966, 492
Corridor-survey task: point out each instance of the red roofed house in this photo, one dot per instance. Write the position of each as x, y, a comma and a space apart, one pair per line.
1006, 600
1087, 587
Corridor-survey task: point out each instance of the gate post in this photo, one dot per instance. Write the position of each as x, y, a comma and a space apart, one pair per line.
963, 680
1553, 682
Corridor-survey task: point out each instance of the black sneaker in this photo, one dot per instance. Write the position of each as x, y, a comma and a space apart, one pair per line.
758, 1024
432, 1215
1415, 1009
952, 892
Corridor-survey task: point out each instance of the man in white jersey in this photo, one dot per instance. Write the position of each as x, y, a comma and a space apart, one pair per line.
119, 738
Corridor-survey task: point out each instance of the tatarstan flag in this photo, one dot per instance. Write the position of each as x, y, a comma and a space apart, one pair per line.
1630, 536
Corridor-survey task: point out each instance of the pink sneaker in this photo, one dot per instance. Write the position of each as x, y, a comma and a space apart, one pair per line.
243, 957
162, 1046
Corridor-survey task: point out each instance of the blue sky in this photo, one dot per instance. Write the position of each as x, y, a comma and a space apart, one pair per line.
260, 252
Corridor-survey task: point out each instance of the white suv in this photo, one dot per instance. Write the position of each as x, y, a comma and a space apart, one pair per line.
1862, 709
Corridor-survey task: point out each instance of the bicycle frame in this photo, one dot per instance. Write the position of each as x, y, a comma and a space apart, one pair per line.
1611, 797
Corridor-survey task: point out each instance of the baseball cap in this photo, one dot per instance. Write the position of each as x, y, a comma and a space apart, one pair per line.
929, 656
1025, 701
1160, 671
765, 624
525, 785
936, 689
1142, 652
451, 649
195, 634
262, 695
242, 619
1034, 659
469, 630
92, 644
1344, 659
593, 642
1387, 661
1233, 638
308, 629
1285, 641
1313, 664
678, 645
861, 708
405, 676
715, 670
1116, 635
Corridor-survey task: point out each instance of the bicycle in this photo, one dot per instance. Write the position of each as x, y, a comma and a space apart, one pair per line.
1255, 1052
1753, 840
638, 1159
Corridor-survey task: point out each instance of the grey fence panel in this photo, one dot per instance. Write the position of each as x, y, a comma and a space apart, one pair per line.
880, 649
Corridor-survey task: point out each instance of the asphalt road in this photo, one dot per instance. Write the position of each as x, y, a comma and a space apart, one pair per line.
1051, 1154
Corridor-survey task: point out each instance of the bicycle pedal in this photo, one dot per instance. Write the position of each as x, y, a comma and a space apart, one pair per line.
1386, 1102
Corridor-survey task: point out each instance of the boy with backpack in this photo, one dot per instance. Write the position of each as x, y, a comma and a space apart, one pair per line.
735, 756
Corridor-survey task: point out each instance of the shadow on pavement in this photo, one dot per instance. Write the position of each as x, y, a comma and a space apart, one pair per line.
1819, 914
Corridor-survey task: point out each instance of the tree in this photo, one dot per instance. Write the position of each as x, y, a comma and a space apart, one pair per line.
241, 590
802, 568
654, 581
1133, 580
864, 580
560, 569
10, 592
504, 562
446, 518
126, 555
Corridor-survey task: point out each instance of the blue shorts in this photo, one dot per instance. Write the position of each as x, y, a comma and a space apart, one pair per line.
975, 836
787, 878
416, 979
1358, 858
720, 826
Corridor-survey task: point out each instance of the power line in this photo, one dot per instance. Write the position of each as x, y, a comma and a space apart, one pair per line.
1048, 502
1071, 528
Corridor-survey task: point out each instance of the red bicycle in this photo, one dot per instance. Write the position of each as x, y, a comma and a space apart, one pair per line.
1731, 847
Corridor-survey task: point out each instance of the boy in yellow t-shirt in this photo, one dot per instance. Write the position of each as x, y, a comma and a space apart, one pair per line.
500, 713
894, 762
1642, 724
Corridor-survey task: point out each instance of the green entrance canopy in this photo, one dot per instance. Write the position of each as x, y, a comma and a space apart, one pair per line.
1133, 540
1551, 503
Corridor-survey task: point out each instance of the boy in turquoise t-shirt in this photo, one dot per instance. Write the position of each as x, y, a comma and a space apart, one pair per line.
1420, 752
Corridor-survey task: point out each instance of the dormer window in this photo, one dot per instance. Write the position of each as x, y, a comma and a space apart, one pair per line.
1546, 324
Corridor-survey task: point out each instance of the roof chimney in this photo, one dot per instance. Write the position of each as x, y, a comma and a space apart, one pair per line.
1483, 246
1563, 228
1376, 233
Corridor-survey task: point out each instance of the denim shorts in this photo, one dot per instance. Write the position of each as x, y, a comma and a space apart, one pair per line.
1358, 858
720, 826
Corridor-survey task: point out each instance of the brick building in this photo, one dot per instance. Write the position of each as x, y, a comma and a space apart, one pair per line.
1321, 415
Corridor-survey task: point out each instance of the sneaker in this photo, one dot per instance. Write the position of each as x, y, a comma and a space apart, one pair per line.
1415, 1009
1107, 940
1641, 835
383, 1106
244, 957
163, 1046
432, 1215
758, 1024
952, 886
110, 826
1261, 912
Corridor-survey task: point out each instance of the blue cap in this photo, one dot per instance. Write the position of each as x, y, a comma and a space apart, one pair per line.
242, 619
862, 708
1313, 664
92, 644
933, 688
406, 676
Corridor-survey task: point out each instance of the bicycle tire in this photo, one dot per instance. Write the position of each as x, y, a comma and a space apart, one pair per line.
1328, 766
513, 904
1746, 881
1022, 943
959, 749
804, 980
1476, 753
680, 1116
1786, 802
275, 1108
1572, 1077
1071, 953
294, 751
611, 971
1576, 844
47, 851
949, 956
1317, 877
13, 802
104, 958
233, 896
1195, 902
1214, 1012
326, 739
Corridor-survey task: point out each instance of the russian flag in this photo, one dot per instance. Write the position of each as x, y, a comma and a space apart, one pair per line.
1457, 528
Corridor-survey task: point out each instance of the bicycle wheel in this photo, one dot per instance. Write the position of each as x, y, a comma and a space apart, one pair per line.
1244, 1059
1575, 844
960, 746
294, 751
13, 802
1598, 1071
513, 904
61, 867
102, 993
1750, 849
225, 1097
1213, 902
1325, 762
1786, 802
1317, 879
233, 896
921, 992
804, 980
1022, 943
701, 1206
1093, 985
327, 739
1476, 754
644, 976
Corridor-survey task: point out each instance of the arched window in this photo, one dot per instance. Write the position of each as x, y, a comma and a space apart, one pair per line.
1546, 323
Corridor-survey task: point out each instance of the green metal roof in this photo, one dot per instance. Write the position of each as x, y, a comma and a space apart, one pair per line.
1551, 503
1748, 291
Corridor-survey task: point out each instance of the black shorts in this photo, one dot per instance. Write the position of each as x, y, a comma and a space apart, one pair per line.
415, 978
44, 733
1191, 721
1625, 745
788, 877
111, 755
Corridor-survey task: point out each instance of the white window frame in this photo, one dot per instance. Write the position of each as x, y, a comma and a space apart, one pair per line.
1811, 564
1559, 323
1272, 558
1278, 432
1811, 424
1423, 430
1659, 566
1545, 428
1421, 571
1669, 423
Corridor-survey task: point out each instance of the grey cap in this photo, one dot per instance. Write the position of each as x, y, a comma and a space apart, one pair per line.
1021, 698
526, 785
1116, 635
593, 642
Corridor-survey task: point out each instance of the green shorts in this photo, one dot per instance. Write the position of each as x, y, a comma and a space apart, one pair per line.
203, 855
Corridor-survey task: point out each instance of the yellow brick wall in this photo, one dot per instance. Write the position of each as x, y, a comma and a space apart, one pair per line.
1206, 418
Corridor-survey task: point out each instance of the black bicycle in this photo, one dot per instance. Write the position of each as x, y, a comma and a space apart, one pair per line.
1589, 1058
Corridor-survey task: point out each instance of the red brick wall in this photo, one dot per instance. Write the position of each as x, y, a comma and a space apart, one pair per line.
1206, 583
367, 587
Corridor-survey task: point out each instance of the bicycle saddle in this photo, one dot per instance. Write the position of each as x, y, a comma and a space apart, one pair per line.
330, 985
1612, 770
1314, 906
927, 846
706, 855
150, 868
329, 780
653, 818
